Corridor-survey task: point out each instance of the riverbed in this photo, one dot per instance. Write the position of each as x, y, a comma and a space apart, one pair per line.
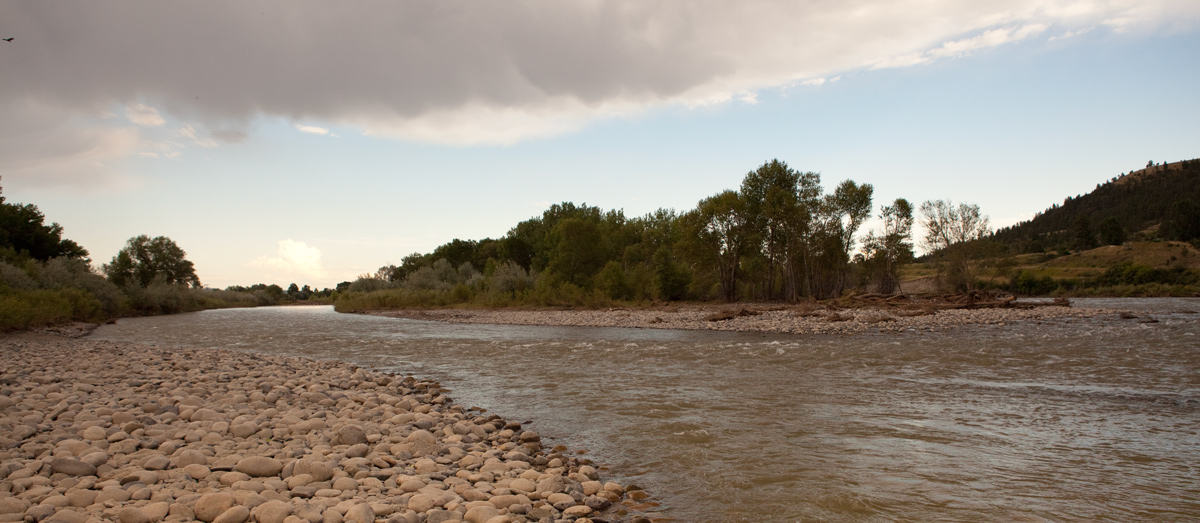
1093, 419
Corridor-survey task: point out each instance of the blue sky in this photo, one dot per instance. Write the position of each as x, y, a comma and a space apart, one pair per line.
318, 173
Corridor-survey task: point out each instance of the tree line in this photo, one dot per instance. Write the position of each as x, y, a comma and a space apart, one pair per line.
46, 279
779, 237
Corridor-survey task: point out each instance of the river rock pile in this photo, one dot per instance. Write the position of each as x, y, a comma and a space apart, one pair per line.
94, 431
756, 318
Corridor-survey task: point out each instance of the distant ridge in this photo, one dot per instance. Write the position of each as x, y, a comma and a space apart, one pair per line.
1138, 200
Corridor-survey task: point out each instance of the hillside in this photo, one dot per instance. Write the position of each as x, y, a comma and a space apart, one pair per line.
1139, 202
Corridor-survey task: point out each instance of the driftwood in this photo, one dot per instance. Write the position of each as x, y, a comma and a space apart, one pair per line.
729, 315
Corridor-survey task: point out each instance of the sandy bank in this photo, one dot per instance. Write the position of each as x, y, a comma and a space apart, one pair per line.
757, 318
100, 431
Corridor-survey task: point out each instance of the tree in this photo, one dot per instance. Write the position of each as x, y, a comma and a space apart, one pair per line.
893, 247
1182, 222
952, 234
1082, 231
23, 232
770, 197
145, 260
1111, 231
578, 252
718, 225
838, 218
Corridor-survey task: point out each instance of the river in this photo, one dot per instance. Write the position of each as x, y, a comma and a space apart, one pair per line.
1093, 420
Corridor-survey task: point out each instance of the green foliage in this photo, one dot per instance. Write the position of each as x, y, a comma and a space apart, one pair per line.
146, 260
1084, 238
670, 279
1182, 223
612, 282
23, 233
1135, 274
15, 278
74, 273
1031, 284
27, 309
1111, 231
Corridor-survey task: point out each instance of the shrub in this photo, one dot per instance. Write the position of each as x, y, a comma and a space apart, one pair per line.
15, 278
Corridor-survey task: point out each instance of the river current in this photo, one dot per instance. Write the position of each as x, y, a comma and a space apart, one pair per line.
1087, 420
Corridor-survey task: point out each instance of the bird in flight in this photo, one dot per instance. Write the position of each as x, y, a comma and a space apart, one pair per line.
8, 39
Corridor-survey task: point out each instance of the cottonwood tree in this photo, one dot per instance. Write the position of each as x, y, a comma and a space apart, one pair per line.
838, 218
718, 225
892, 248
952, 234
145, 260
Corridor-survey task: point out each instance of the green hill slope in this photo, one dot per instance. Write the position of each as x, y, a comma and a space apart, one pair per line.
1140, 202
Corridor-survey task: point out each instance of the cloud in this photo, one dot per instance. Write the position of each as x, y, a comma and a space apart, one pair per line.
189, 132
230, 136
312, 129
494, 72
44, 146
144, 115
295, 261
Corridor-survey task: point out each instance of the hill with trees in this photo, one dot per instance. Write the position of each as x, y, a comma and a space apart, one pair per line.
1159, 202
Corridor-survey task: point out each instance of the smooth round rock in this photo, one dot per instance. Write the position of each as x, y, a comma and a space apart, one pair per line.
209, 506
420, 503
351, 435
480, 514
259, 466
94, 434
319, 470
132, 515
272, 512
72, 467
344, 484
197, 471
422, 443
158, 462
236, 514
360, 513
189, 457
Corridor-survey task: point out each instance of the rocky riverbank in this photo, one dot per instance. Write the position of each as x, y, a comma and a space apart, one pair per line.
95, 431
803, 319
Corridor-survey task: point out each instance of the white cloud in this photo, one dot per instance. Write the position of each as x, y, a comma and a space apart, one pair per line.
499, 72
295, 261
312, 129
814, 82
187, 131
144, 115
990, 38
1071, 34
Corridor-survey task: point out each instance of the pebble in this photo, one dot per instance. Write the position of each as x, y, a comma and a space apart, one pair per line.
103, 431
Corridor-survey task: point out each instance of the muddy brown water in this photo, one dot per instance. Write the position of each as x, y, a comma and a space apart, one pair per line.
1093, 420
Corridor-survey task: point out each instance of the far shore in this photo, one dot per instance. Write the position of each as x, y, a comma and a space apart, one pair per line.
811, 318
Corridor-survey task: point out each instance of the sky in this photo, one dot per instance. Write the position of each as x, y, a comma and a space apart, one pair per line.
310, 142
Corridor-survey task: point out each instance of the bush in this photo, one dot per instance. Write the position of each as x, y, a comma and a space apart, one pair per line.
39, 308
1030, 284
15, 278
64, 272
